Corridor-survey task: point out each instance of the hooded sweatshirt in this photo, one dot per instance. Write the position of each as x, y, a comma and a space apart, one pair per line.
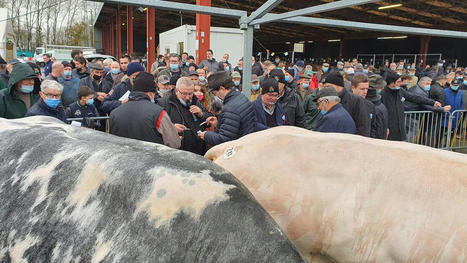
11, 106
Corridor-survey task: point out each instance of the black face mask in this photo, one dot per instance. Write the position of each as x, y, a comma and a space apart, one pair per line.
96, 77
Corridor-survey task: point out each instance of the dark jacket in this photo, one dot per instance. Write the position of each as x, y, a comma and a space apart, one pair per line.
257, 69
411, 106
4, 78
181, 114
11, 106
294, 112
456, 100
75, 110
81, 75
408, 95
48, 68
96, 87
358, 109
261, 123
337, 119
70, 90
111, 102
236, 119
137, 119
167, 72
381, 119
372, 110
41, 109
312, 114
392, 99
107, 82
437, 93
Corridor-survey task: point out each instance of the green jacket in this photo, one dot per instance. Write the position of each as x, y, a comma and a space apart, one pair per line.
312, 114
11, 106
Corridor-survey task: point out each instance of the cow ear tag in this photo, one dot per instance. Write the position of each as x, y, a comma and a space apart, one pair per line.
229, 153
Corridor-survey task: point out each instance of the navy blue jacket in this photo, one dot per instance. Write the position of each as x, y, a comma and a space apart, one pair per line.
111, 102
337, 119
455, 99
48, 68
40, 108
236, 119
261, 117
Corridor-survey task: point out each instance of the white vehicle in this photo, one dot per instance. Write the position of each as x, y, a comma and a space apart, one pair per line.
59, 52
7, 36
91, 57
223, 40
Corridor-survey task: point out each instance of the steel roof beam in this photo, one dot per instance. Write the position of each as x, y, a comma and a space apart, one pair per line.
311, 10
264, 9
176, 6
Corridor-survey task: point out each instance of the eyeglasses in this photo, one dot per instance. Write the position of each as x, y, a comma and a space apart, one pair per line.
185, 93
52, 96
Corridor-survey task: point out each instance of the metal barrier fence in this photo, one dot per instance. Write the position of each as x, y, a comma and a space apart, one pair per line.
439, 130
436, 129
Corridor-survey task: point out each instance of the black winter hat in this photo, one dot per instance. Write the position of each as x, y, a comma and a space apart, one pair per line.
335, 78
278, 75
269, 85
391, 77
144, 82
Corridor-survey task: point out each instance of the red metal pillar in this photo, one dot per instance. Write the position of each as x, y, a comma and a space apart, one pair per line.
203, 32
112, 36
424, 45
119, 33
104, 40
129, 29
151, 36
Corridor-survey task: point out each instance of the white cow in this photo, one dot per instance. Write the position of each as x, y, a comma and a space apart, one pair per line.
347, 198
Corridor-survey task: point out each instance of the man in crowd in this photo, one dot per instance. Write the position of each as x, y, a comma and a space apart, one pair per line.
377, 84
209, 64
110, 77
237, 80
187, 113
94, 81
174, 69
57, 71
256, 67
335, 117
355, 105
140, 118
268, 112
70, 85
47, 64
163, 86
81, 70
360, 85
84, 107
18, 97
5, 74
237, 117
49, 103
255, 88
289, 100
436, 91
303, 89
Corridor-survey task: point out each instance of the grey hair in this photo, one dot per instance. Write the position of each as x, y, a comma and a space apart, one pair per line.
51, 84
424, 79
332, 98
108, 61
185, 81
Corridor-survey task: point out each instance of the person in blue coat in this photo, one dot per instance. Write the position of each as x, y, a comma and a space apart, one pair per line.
47, 64
84, 107
454, 98
268, 112
335, 117
50, 103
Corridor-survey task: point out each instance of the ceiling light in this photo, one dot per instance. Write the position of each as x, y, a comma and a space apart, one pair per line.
398, 37
389, 6
311, 41
287, 43
301, 42
334, 40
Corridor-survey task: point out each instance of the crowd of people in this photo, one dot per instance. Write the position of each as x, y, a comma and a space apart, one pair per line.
193, 107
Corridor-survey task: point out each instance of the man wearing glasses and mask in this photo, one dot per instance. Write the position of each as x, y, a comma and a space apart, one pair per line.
49, 103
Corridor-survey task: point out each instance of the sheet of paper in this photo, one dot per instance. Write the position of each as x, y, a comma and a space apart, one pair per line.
125, 96
76, 123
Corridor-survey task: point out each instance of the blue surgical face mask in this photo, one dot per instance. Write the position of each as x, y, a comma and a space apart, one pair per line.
255, 87
240, 68
162, 91
455, 88
325, 70
227, 68
365, 71
236, 83
67, 73
106, 69
306, 85
379, 91
459, 77
90, 102
187, 64
115, 71
396, 88
426, 88
411, 74
183, 102
52, 103
440, 64
323, 112
173, 67
202, 78
287, 78
153, 101
399, 74
465, 82
27, 88
341, 67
